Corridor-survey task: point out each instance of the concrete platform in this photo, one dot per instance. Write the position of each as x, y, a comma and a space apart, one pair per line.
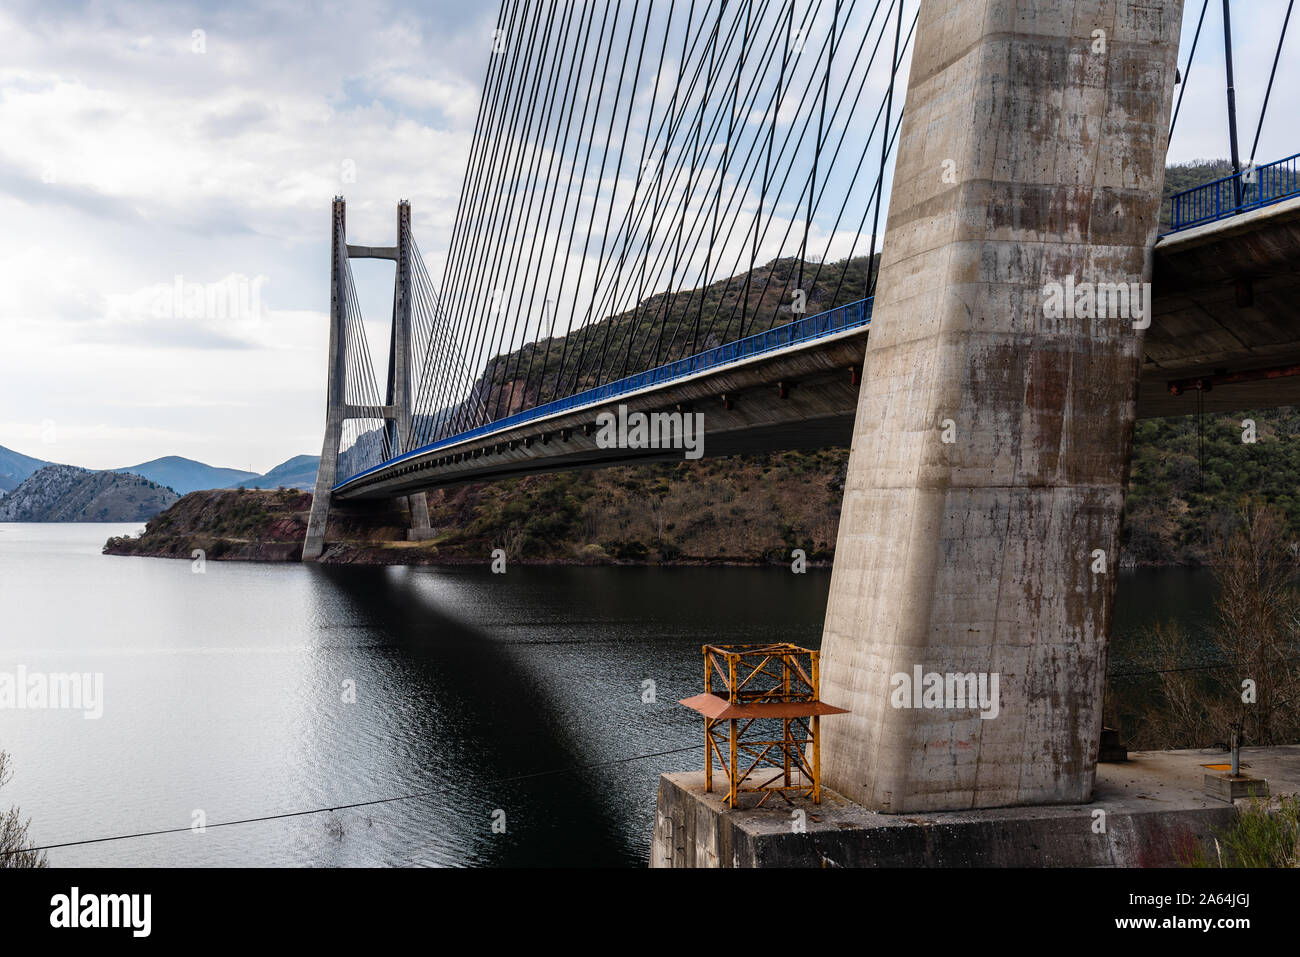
1154, 805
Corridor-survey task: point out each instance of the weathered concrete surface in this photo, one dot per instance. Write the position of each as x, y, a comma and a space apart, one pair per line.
975, 556
1155, 811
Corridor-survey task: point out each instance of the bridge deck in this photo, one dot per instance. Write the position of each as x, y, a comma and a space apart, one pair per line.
1226, 299
557, 435
746, 410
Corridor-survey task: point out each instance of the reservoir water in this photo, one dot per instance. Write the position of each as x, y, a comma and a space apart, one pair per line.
512, 700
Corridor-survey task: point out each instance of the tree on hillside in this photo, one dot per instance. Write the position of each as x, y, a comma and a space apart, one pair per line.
1254, 686
1259, 615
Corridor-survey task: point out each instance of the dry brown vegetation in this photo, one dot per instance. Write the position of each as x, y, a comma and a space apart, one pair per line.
742, 509
14, 842
1253, 685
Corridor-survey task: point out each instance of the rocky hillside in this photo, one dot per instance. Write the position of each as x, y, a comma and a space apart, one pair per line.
241, 524
740, 509
663, 328
65, 493
749, 509
15, 467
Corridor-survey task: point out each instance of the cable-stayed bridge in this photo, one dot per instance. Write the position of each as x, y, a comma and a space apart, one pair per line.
677, 208
654, 191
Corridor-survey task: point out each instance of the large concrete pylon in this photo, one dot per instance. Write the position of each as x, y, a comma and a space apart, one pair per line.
400, 355
981, 516
396, 411
335, 386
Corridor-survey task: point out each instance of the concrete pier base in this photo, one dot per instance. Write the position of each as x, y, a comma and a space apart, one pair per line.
1151, 811
416, 534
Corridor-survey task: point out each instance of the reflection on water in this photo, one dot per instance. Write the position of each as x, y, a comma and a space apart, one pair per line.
224, 693
1148, 596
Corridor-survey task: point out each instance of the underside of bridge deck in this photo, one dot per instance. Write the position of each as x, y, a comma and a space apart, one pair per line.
1227, 310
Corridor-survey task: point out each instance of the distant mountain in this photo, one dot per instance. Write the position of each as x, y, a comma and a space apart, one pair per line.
14, 467
65, 493
299, 472
186, 475
180, 475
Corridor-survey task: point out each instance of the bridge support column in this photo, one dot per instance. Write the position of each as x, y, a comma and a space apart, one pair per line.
980, 524
396, 411
399, 366
327, 471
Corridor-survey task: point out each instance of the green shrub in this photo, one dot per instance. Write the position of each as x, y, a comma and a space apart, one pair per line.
592, 553
1264, 835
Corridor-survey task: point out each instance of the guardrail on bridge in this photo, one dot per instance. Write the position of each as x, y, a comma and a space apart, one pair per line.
848, 316
1252, 188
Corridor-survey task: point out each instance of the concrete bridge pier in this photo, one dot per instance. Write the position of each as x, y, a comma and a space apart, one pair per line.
336, 384
981, 517
399, 367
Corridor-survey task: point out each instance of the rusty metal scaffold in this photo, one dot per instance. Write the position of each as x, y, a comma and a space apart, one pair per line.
768, 718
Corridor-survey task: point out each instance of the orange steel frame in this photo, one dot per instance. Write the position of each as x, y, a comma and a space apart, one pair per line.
757, 675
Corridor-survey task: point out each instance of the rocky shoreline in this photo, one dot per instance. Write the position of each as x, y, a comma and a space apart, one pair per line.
353, 553
264, 526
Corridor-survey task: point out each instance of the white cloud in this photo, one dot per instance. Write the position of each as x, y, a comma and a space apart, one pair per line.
128, 160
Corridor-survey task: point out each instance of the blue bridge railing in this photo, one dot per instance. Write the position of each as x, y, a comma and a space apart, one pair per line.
848, 316
1249, 189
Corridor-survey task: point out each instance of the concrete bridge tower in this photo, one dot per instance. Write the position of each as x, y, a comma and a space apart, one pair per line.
981, 516
396, 411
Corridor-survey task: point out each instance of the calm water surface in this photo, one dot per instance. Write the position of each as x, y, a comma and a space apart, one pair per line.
223, 693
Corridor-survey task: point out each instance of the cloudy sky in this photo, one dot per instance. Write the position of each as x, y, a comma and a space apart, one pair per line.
146, 144
128, 158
